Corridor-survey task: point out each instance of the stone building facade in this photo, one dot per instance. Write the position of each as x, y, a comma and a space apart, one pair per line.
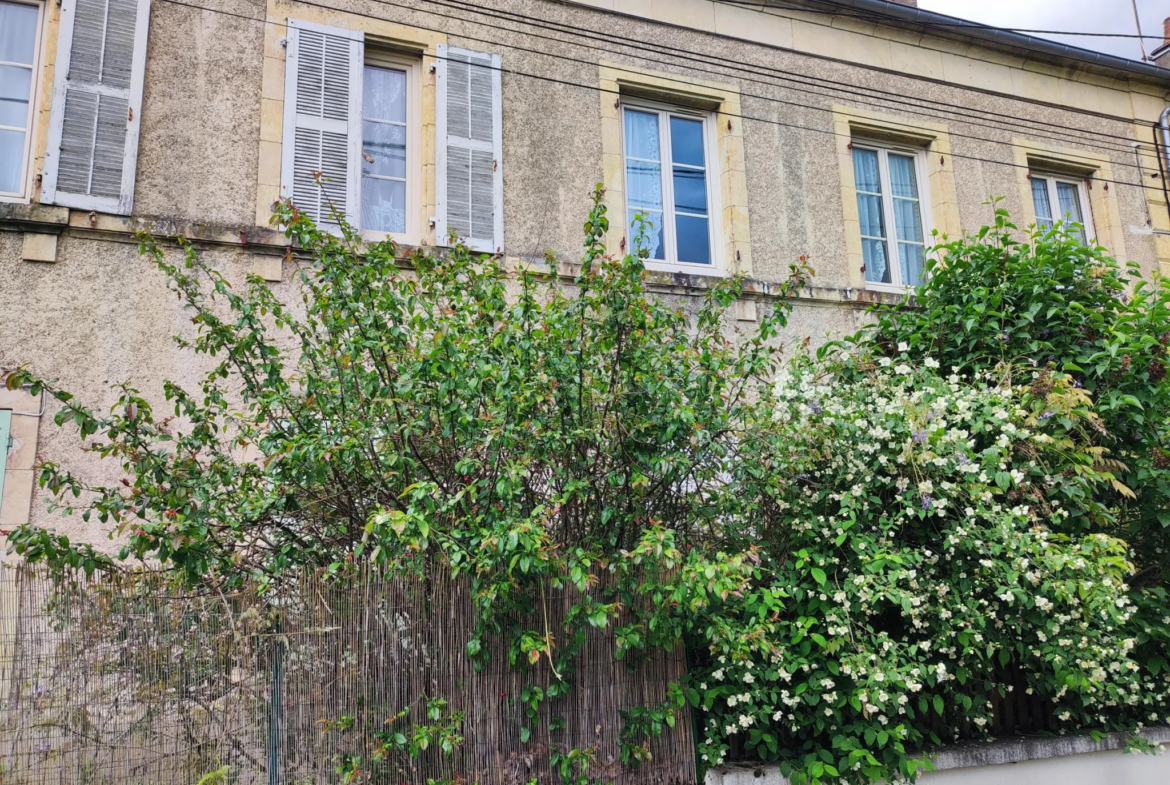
748, 134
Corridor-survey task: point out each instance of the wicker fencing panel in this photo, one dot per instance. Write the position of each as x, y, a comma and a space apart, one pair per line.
129, 681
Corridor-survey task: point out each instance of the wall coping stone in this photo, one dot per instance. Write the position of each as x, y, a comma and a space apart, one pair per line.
967, 755
1022, 748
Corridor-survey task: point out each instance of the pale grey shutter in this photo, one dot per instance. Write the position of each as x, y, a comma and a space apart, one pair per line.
470, 178
323, 121
97, 101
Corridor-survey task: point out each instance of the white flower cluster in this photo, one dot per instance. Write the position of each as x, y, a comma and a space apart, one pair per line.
925, 539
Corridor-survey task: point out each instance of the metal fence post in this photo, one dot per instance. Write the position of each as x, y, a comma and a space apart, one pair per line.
274, 706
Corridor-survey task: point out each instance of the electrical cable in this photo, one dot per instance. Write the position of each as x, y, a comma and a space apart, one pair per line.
828, 58
1024, 124
617, 93
1058, 129
1027, 125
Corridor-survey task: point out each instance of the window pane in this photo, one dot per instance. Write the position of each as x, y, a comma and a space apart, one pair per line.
1041, 203
652, 226
694, 239
18, 32
877, 268
11, 160
1070, 202
865, 171
1070, 208
13, 113
908, 220
383, 205
873, 220
686, 142
384, 94
903, 178
642, 135
911, 259
690, 191
15, 82
15, 87
644, 182
384, 149
384, 98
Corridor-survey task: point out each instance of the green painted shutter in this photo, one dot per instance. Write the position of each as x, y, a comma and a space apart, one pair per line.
5, 432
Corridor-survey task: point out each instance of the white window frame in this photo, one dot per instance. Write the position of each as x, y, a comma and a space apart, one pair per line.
26, 171
883, 149
382, 58
714, 209
1051, 179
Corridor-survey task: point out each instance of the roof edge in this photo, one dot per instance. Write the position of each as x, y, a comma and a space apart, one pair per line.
1006, 38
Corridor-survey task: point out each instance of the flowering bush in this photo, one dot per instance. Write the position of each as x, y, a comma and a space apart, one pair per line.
1053, 303
920, 546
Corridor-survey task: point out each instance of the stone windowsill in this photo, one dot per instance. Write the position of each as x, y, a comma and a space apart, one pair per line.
46, 219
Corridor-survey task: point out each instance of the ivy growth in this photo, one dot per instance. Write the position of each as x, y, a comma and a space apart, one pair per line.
387, 749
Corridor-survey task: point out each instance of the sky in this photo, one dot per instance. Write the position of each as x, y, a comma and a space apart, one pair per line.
1096, 16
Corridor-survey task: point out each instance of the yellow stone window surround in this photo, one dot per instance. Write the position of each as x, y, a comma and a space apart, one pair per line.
731, 221
941, 205
378, 33
1094, 168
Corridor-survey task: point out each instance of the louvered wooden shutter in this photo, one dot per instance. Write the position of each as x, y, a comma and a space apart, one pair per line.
97, 103
323, 121
470, 178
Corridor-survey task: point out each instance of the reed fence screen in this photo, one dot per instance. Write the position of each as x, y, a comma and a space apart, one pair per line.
129, 681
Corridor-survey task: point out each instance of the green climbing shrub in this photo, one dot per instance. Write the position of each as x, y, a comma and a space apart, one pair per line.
531, 433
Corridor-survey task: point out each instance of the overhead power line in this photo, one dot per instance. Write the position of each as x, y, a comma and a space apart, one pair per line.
1025, 125
1028, 125
617, 93
839, 60
1005, 121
